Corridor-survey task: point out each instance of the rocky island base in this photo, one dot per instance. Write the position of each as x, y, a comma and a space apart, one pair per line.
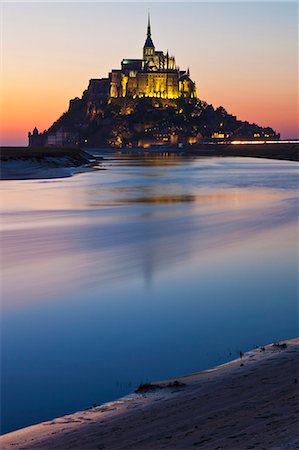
248, 403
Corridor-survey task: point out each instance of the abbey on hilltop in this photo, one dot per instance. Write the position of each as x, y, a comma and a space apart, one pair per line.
155, 75
147, 102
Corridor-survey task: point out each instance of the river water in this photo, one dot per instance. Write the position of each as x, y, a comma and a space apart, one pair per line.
145, 269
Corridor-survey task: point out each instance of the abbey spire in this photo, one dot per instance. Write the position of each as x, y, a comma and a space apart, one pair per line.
149, 48
149, 25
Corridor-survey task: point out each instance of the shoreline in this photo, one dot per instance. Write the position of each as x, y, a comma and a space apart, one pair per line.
23, 163
242, 404
284, 151
49, 163
277, 151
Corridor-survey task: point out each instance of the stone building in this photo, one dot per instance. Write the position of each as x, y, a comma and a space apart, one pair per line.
155, 75
35, 139
63, 137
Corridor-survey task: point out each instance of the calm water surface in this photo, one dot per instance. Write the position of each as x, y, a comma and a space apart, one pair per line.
148, 269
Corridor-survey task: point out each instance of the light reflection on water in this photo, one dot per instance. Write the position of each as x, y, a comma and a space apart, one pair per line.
149, 269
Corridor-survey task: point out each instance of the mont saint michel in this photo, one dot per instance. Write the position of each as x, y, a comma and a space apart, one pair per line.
149, 289
149, 101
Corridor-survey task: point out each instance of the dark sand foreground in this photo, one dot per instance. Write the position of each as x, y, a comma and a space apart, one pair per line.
248, 404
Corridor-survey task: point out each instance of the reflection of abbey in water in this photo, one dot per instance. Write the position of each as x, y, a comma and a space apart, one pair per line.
156, 75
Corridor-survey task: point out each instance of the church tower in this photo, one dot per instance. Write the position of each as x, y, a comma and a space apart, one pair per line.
149, 48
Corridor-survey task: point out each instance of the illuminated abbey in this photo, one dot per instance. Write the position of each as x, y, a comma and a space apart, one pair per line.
155, 75
147, 102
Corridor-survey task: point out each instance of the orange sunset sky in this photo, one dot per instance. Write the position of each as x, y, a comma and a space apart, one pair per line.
243, 56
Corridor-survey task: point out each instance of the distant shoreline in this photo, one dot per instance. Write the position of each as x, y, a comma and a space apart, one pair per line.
78, 156
250, 402
279, 151
25, 163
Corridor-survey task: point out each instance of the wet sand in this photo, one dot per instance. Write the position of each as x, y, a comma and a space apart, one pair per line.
249, 403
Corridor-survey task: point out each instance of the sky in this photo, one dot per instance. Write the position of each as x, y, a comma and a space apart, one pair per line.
242, 55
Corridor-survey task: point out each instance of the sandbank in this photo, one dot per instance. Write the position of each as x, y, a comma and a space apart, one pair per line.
248, 403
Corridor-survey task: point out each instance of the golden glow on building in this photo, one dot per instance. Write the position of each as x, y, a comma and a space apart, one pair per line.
155, 75
217, 135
